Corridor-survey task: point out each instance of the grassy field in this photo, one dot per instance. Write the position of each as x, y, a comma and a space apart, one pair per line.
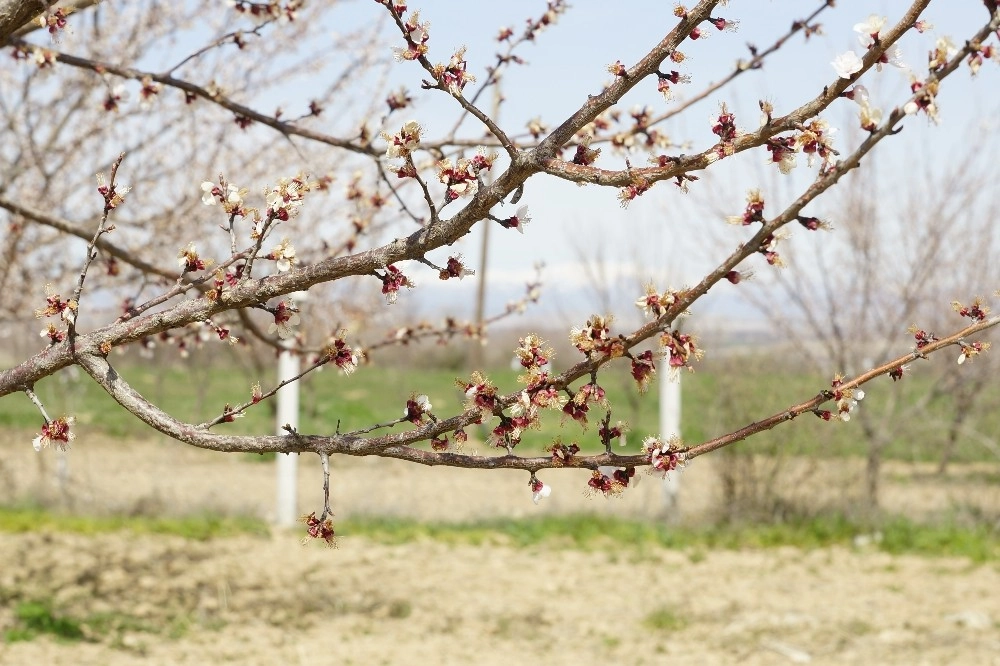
588, 532
714, 402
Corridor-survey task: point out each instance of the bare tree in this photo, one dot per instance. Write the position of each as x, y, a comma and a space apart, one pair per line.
438, 185
889, 262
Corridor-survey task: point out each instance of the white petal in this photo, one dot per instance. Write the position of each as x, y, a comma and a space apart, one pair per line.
846, 64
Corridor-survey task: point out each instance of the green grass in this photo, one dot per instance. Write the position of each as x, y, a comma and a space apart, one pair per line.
585, 532
37, 617
899, 535
714, 402
664, 620
200, 527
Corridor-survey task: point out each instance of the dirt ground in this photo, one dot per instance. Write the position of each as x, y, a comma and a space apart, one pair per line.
271, 600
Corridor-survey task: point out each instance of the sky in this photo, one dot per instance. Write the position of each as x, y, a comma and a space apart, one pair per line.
665, 234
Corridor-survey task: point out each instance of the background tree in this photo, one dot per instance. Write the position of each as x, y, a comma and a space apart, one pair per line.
415, 196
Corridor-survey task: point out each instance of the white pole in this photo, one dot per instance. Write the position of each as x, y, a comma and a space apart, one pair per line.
288, 413
670, 424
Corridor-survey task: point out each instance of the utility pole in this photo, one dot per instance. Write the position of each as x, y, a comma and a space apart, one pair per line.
476, 353
287, 464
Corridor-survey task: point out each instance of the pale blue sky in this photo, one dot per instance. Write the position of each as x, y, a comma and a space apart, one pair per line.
665, 234
568, 61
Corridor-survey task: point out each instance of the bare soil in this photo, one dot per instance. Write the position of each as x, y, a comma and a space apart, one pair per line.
272, 600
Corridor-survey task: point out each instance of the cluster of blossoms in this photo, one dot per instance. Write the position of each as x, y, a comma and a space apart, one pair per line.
926, 96
576, 411
56, 305
286, 317
665, 80
849, 63
633, 190
442, 443
664, 457
578, 408
454, 268
681, 12
461, 179
284, 199
595, 338
943, 51
229, 415
655, 304
626, 141
480, 396
980, 55
397, 100
811, 223
735, 277
971, 349
552, 11
193, 335
846, 399
782, 149
230, 196
271, 9
338, 352
508, 433
116, 95
416, 35
584, 155
724, 127
976, 311
404, 142
518, 220
56, 432
681, 349
532, 353
451, 327
608, 432
816, 139
224, 281
897, 373
114, 194
536, 128
43, 58
454, 76
643, 369
539, 394
868, 116
754, 211
561, 453
54, 20
922, 337
148, 90
189, 260
319, 529
768, 249
283, 255
392, 281
53, 333
418, 410
539, 490
610, 481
